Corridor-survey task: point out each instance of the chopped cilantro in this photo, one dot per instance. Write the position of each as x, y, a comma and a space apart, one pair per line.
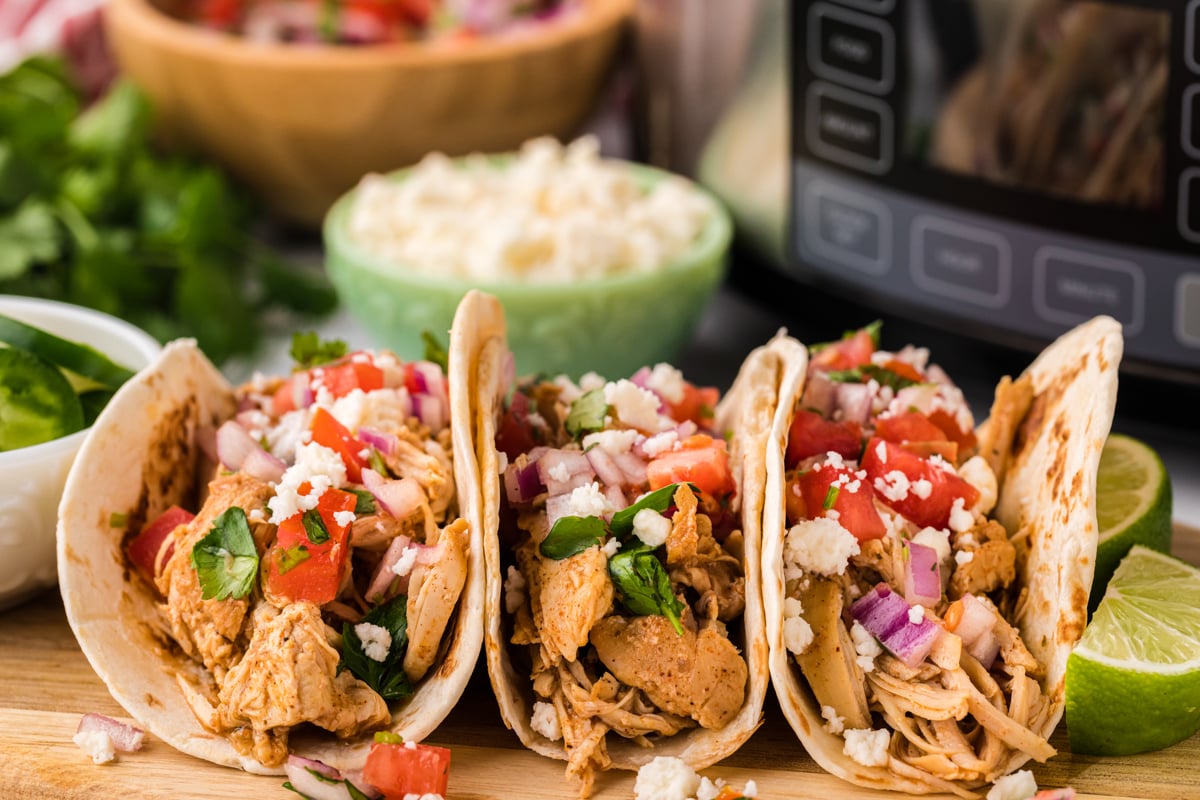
118, 520
365, 505
571, 536
587, 414
314, 527
386, 677
387, 737
881, 375
831, 496
376, 462
644, 584
292, 557
226, 559
309, 351
435, 351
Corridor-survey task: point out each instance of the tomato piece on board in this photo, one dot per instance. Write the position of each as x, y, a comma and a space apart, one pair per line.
911, 426
965, 440
813, 435
701, 460
299, 568
402, 769
847, 353
327, 431
698, 405
882, 458
143, 548
836, 488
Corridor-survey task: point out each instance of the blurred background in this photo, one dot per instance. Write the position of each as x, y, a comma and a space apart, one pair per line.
980, 174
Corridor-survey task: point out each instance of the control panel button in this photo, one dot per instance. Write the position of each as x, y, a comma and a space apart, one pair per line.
849, 128
1070, 287
851, 49
961, 262
1191, 120
847, 228
1187, 309
1189, 204
1192, 36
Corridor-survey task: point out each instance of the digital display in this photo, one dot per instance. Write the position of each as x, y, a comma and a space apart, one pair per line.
1062, 97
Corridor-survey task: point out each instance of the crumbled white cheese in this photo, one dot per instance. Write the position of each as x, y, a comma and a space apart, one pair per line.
291, 431
938, 540
960, 519
501, 462
256, 515
916, 613
405, 563
819, 545
797, 633
554, 213
833, 459
545, 721
708, 789
514, 590
1017, 786
613, 442
633, 405
667, 382
97, 744
922, 488
343, 518
866, 645
942, 464
881, 451
559, 472
893, 485
833, 723
651, 527
964, 557
978, 473
588, 501
611, 547
376, 640
665, 778
660, 443
317, 465
866, 746
590, 381
750, 789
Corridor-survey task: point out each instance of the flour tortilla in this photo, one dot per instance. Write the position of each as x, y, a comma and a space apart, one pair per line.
746, 410
140, 458
1048, 491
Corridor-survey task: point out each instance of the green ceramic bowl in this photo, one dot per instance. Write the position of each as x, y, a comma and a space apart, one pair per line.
611, 325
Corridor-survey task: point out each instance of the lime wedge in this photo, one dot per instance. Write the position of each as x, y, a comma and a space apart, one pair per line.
1133, 506
1133, 682
37, 403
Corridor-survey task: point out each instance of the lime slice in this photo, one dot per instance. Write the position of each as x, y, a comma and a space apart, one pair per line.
1133, 682
79, 358
1133, 506
37, 403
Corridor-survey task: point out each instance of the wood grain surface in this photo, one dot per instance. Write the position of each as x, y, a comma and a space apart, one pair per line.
46, 684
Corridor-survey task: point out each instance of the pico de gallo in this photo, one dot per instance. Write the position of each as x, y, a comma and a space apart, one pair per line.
327, 552
897, 582
622, 560
367, 22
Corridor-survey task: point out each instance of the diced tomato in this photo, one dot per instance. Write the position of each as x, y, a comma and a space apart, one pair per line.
944, 487
144, 547
697, 405
221, 13
904, 370
701, 460
852, 351
327, 431
298, 568
855, 509
515, 434
911, 426
813, 435
947, 450
399, 769
965, 440
343, 378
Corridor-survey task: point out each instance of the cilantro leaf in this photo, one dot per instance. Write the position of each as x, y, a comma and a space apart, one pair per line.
226, 559
571, 536
365, 505
659, 500
386, 677
435, 351
308, 350
587, 414
886, 377
314, 526
292, 557
644, 585
831, 496
377, 463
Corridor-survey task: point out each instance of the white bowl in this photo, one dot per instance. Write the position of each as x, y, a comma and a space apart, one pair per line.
33, 477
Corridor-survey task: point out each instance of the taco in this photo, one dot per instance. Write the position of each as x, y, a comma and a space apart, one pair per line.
924, 581
280, 569
622, 538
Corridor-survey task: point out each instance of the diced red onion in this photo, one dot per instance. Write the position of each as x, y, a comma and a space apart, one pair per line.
886, 615
385, 582
302, 391
125, 738
428, 409
522, 484
385, 443
616, 496
641, 379
922, 576
571, 467
633, 467
557, 507
355, 776
398, 498
238, 451
428, 554
300, 775
820, 393
984, 649
976, 621
605, 468
685, 429
854, 401
429, 377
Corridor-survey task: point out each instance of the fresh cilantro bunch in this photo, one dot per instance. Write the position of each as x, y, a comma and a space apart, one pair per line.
91, 212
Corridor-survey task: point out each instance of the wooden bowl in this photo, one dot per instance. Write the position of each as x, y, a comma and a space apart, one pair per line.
301, 125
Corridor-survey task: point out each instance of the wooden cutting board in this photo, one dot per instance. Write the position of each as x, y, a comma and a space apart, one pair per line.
46, 684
